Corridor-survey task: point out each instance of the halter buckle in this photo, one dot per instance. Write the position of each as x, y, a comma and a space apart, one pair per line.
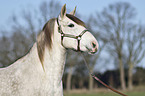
62, 34
78, 38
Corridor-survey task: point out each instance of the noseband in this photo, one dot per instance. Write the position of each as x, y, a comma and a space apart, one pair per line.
78, 38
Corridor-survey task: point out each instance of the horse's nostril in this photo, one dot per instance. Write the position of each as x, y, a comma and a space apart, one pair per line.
93, 44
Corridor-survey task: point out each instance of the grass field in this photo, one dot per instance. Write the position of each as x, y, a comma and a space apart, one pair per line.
104, 92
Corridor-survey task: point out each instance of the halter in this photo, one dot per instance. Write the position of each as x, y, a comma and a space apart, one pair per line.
70, 36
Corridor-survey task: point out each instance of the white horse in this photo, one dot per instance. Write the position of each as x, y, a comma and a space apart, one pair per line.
39, 73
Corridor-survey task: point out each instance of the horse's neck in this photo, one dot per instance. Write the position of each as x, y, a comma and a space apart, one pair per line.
54, 61
54, 58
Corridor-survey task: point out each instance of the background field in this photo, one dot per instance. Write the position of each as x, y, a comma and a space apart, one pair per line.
138, 91
106, 94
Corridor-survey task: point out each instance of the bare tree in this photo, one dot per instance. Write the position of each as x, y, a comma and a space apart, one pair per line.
112, 22
135, 49
71, 62
5, 49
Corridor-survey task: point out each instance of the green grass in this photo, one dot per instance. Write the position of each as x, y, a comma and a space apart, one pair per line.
105, 94
91, 94
137, 91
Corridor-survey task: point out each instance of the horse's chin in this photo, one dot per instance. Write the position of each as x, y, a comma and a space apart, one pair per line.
88, 52
91, 53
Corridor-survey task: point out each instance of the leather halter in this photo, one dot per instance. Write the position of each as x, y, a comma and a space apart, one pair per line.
78, 38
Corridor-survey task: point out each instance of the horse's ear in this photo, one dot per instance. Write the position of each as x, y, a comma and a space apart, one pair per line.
63, 11
73, 12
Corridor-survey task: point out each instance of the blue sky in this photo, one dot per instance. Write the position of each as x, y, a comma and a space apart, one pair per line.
85, 7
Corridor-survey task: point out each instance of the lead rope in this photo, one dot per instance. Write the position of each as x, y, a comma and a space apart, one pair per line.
96, 78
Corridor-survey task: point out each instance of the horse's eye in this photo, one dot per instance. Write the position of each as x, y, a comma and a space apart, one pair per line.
71, 25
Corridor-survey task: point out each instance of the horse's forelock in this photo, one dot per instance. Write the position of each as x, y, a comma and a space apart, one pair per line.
76, 20
44, 38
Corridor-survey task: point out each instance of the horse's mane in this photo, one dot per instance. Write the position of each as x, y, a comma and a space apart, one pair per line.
44, 38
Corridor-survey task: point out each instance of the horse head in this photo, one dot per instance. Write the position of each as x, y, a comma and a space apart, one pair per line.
74, 34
